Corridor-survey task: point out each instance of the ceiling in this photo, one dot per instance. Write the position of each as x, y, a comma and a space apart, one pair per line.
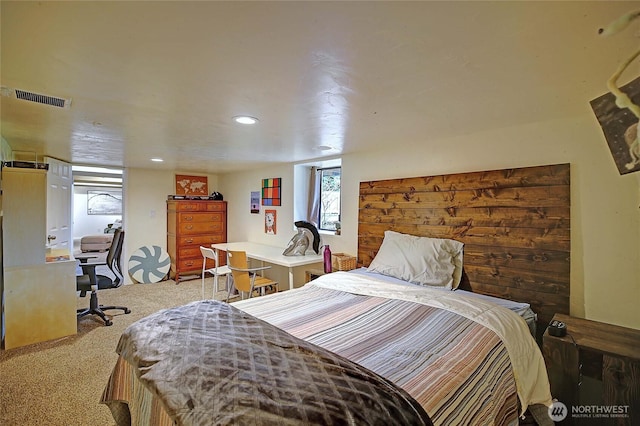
164, 79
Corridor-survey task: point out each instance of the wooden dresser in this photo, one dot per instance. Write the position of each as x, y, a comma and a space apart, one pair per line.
191, 224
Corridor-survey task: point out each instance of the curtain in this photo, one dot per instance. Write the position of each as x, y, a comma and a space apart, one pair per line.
313, 207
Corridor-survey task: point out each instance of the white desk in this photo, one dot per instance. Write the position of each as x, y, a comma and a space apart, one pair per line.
271, 254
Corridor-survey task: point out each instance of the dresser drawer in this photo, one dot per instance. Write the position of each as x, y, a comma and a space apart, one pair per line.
200, 217
189, 206
203, 206
189, 251
201, 228
201, 240
192, 264
188, 254
216, 207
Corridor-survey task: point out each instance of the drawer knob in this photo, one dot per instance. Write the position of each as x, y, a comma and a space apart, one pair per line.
188, 218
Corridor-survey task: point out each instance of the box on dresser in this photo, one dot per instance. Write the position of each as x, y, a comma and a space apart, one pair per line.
191, 224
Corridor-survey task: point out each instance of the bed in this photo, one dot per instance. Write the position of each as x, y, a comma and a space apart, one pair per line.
384, 344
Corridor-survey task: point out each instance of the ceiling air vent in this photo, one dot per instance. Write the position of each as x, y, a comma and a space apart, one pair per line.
42, 99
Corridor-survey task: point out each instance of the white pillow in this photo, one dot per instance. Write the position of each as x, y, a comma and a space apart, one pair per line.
420, 260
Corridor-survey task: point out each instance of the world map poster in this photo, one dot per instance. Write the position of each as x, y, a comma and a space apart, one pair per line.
191, 185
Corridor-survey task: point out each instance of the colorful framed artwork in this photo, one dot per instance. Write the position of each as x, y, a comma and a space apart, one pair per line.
270, 222
271, 191
191, 185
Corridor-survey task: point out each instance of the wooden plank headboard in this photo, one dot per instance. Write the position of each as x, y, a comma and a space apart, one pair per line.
515, 224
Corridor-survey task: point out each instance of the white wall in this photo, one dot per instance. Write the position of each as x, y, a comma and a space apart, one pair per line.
605, 220
605, 263
145, 208
244, 226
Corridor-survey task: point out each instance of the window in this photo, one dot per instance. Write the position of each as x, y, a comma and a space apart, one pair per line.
329, 190
314, 201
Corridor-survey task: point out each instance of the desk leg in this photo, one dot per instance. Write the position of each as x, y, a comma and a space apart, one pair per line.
290, 278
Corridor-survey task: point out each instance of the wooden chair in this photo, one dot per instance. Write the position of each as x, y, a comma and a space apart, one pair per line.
246, 279
216, 271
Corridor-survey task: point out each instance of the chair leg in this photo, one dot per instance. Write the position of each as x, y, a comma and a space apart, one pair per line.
96, 309
230, 287
251, 290
203, 274
122, 308
228, 293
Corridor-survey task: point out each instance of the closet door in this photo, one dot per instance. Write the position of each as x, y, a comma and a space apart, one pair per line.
59, 199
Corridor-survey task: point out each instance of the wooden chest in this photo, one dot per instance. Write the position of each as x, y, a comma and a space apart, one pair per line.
191, 224
595, 371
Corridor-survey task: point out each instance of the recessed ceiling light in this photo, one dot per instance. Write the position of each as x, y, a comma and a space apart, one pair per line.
157, 160
101, 170
245, 119
323, 147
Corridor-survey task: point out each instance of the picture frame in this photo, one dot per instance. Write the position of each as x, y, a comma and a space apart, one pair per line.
620, 127
192, 185
270, 222
104, 202
255, 202
271, 194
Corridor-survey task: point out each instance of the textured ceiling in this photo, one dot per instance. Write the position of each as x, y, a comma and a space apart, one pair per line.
164, 79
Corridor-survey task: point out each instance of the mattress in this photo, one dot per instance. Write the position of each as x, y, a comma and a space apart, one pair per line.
246, 371
525, 359
464, 360
520, 308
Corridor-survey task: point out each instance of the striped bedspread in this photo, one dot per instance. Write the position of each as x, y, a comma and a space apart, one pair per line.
458, 369
464, 361
212, 364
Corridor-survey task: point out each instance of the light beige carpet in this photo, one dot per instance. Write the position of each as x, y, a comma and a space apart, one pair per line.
60, 382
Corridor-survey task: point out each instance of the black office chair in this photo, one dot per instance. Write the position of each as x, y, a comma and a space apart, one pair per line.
88, 282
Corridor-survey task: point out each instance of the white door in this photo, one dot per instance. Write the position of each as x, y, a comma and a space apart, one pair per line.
59, 199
